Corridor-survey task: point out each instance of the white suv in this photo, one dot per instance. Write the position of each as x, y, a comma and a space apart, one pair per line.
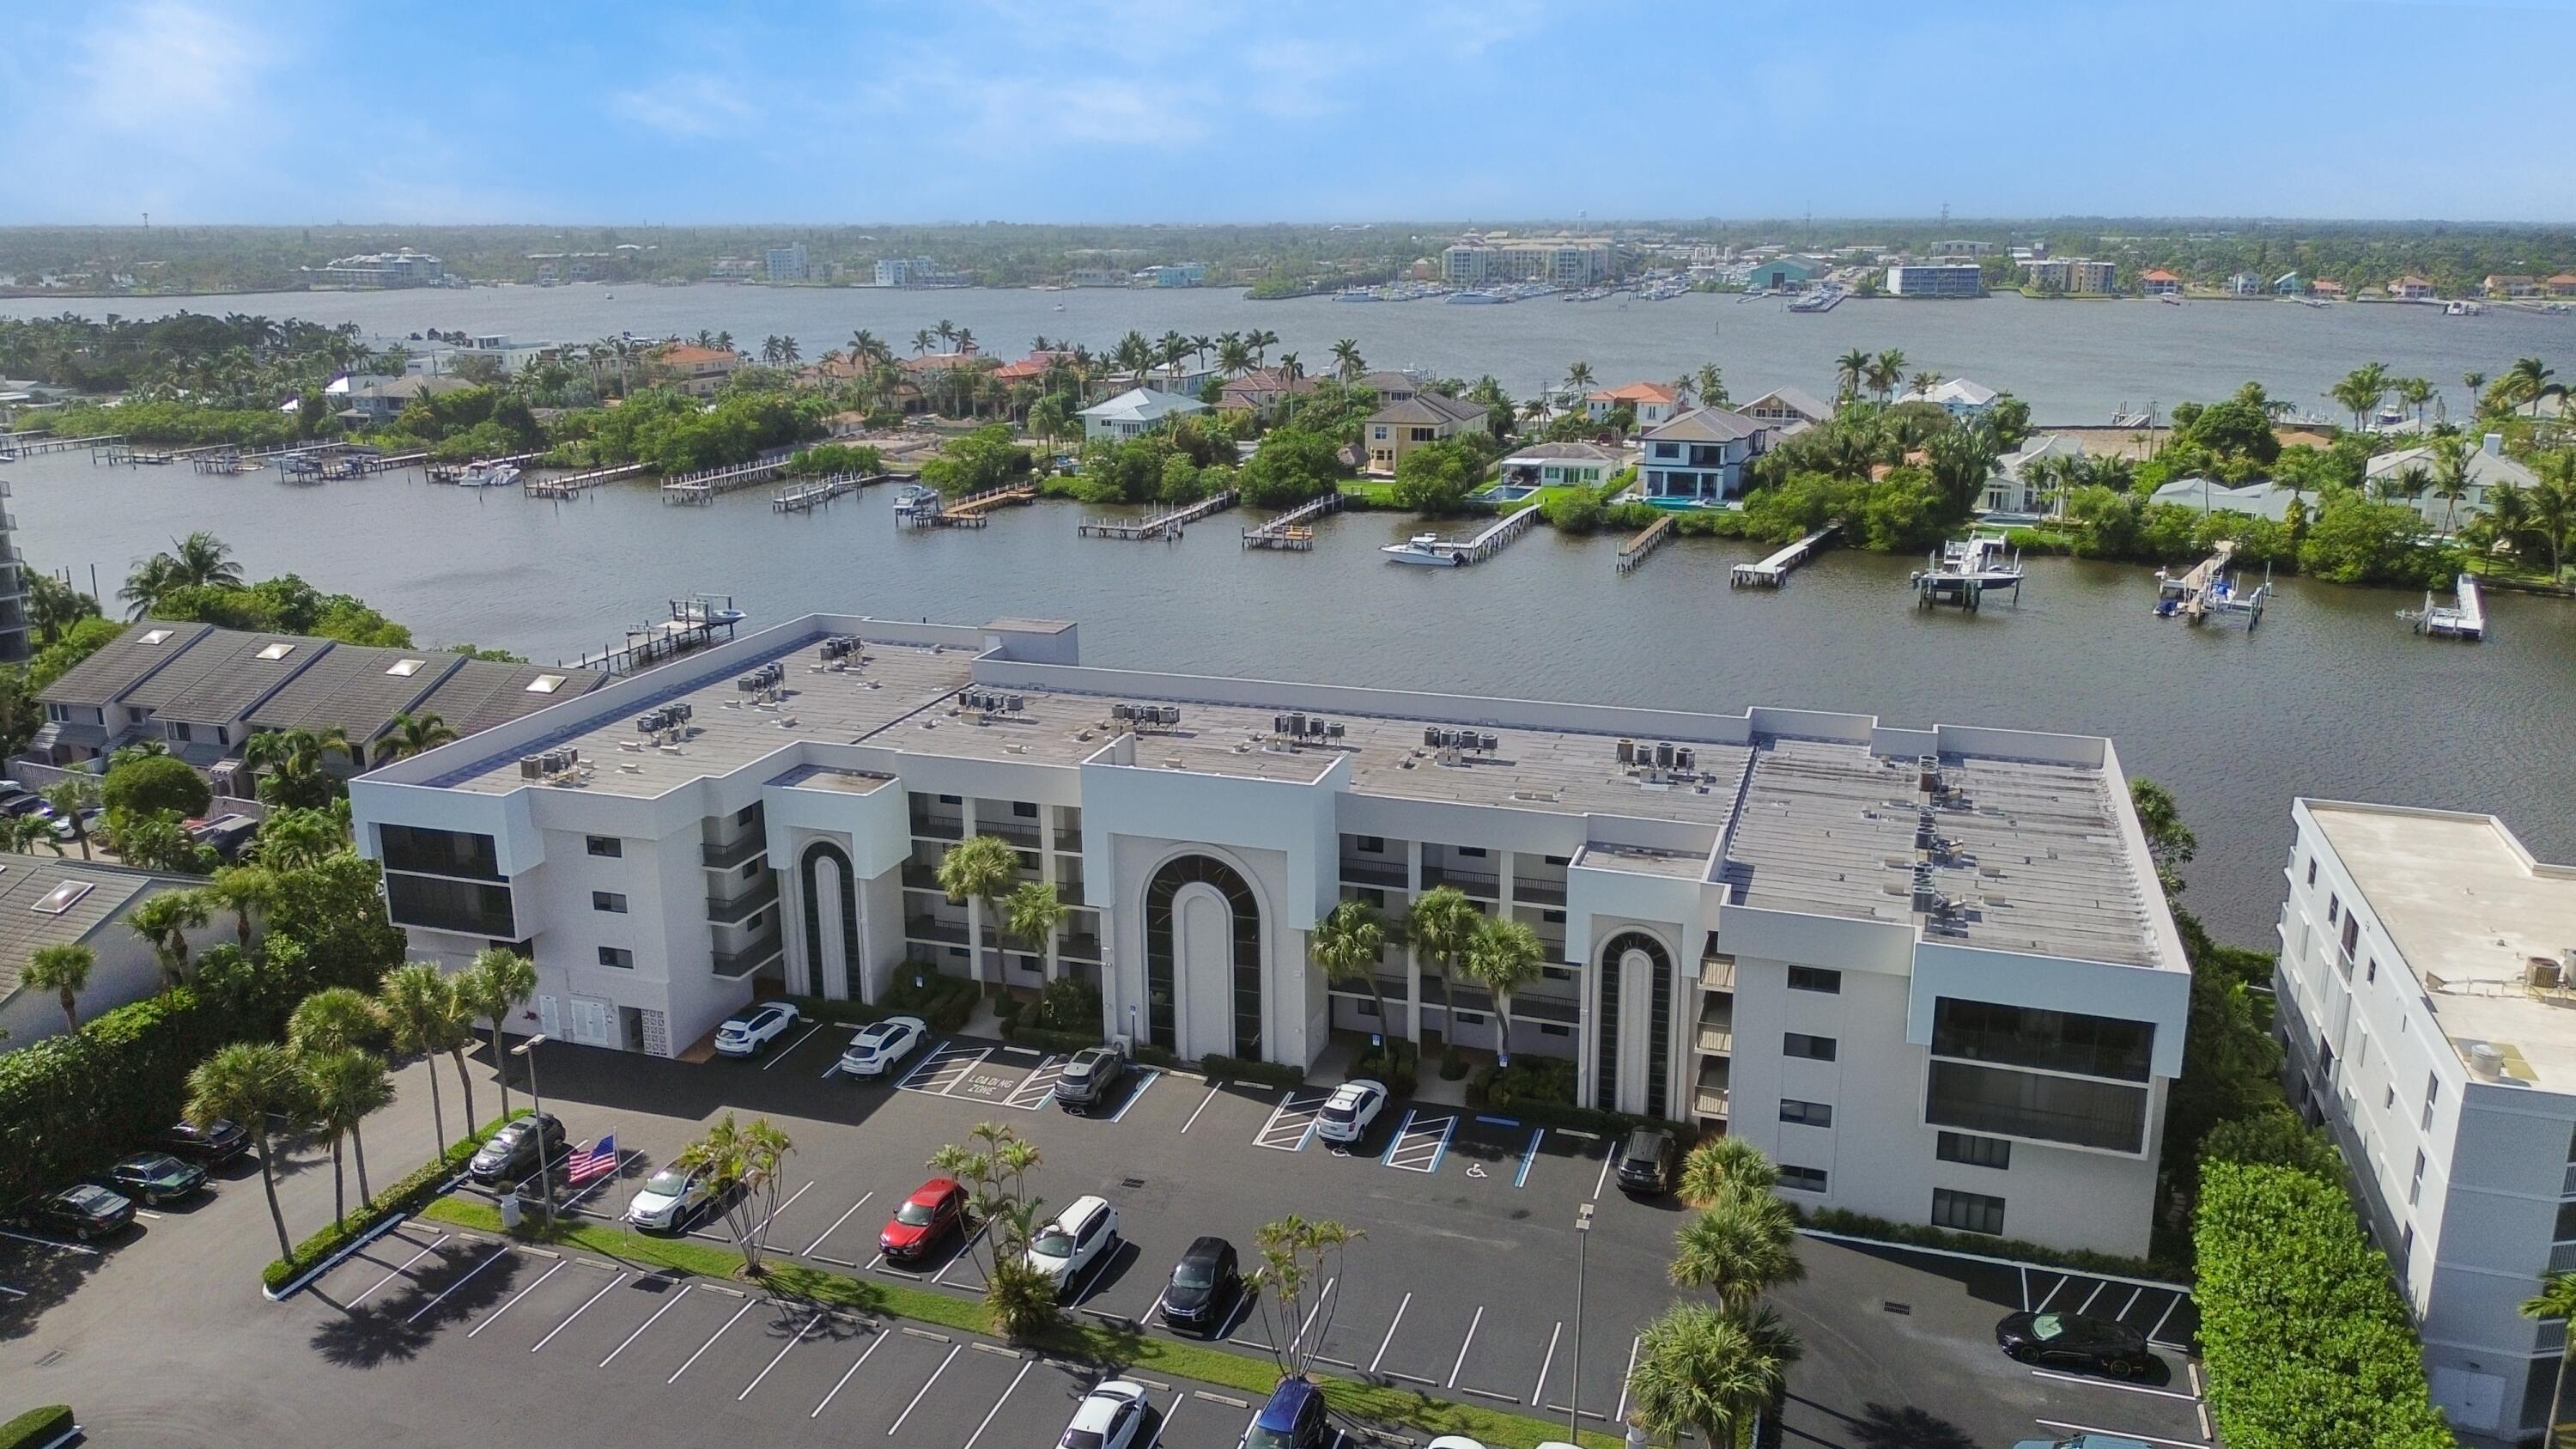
1074, 1240
1347, 1113
747, 1031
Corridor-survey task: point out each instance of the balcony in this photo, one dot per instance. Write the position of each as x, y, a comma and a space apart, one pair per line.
750, 958
2562, 1257
939, 827
1717, 1027
1069, 839
1477, 884
1023, 833
725, 910
919, 877
1709, 1097
2567, 1188
1079, 946
1069, 893
1717, 973
1384, 873
931, 928
726, 857
1540, 892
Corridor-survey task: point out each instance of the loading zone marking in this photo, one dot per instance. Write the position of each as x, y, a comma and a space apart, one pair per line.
944, 1069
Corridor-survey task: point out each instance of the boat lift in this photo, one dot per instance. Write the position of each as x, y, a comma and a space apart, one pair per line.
2210, 590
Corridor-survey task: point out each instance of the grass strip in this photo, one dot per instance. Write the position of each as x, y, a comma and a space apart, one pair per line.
1071, 1338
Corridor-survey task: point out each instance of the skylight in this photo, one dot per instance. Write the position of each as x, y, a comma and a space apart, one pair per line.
405, 668
62, 897
277, 651
545, 684
156, 636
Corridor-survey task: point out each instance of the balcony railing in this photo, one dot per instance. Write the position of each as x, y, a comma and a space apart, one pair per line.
1717, 973
1538, 892
1018, 832
919, 877
726, 857
2567, 1188
1717, 1031
939, 827
2562, 1257
725, 910
1069, 840
1079, 946
1482, 887
1374, 872
749, 959
931, 928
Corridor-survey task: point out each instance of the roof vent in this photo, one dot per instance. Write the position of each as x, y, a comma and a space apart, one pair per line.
2486, 1060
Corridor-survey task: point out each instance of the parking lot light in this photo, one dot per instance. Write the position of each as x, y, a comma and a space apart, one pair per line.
1574, 1395
545, 1180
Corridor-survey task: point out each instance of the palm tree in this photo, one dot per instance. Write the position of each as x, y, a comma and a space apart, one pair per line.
1920, 385
788, 352
1031, 915
244, 890
2476, 383
73, 798
1260, 341
63, 969
1708, 1371
201, 559
1349, 945
2555, 1302
498, 983
2451, 454
1503, 956
1886, 371
1442, 925
23, 833
1710, 386
1347, 363
1232, 357
2360, 391
2527, 381
153, 580
334, 1019
294, 839
1849, 370
946, 332
164, 922
1578, 380
1720, 1166
741, 1167
2416, 393
419, 1006
413, 734
344, 1088
982, 869
921, 341
1743, 1246
53, 606
245, 1082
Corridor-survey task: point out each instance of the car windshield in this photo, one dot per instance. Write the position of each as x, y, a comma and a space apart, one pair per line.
876, 1036
2048, 1326
1645, 1147
86, 1197
733, 1026
913, 1214
1194, 1274
1055, 1242
1261, 1438
669, 1182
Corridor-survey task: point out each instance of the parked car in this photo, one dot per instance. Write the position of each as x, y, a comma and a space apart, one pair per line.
1647, 1162
752, 1028
935, 1209
226, 833
23, 804
1090, 1079
1111, 1416
669, 1199
1293, 1419
1204, 1286
1349, 1111
82, 1212
513, 1152
2073, 1341
1074, 1240
881, 1044
155, 1177
217, 1142
1458, 1441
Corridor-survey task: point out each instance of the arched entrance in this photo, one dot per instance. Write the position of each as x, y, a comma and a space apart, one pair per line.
823, 861
1625, 958
1218, 924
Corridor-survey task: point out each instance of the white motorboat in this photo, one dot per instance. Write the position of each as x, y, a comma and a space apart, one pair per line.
1429, 549
488, 475
916, 501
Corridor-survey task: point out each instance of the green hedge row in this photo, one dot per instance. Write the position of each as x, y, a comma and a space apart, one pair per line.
1045, 1040
1923, 1235
1277, 1074
37, 1426
945, 1002
2302, 1333
403, 1197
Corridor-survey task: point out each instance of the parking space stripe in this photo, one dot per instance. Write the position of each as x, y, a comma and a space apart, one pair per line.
1213, 1089
873, 1345
578, 1312
1152, 1075
793, 1339
1548, 1362
2161, 1317
1296, 1112
788, 1050
2111, 1384
997, 1404
2118, 1433
836, 1223
1460, 1366
2025, 1287
497, 1254
514, 1299
1603, 1180
398, 1272
762, 1226
1391, 1326
925, 1389
1039, 1085
2089, 1297
1404, 1153
2134, 1295
2052, 1293
1300, 1337
1163, 1419
1529, 1155
13, 1292
648, 1323
1619, 1415
711, 1342
50, 1243
1388, 1157
963, 1248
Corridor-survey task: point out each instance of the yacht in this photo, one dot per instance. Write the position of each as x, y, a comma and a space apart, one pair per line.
916, 501
1478, 299
1428, 549
488, 475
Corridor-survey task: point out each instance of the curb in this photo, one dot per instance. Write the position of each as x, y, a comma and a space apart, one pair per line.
280, 1295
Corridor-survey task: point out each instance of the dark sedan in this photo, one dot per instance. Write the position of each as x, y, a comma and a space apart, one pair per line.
1090, 1079
82, 1212
218, 1141
1204, 1286
2073, 1341
513, 1152
156, 1178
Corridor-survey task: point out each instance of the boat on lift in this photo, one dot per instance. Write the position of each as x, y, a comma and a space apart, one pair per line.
488, 475
1427, 549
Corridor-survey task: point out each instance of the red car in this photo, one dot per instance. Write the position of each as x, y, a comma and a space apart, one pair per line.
934, 1209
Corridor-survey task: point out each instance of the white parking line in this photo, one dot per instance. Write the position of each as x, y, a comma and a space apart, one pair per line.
997, 1404
1603, 1180
1213, 1089
793, 1339
1152, 1075
578, 1312
648, 1323
1548, 1362
2112, 1384
1162, 1421
50, 1243
762, 1226
873, 1345
2119, 1433
1292, 1123
1619, 1415
925, 1389
1039, 1085
1391, 1325
2134, 1295
1327, 1292
459, 1283
2061, 1282
398, 1272
13, 1292
1461, 1365
784, 1052
836, 1223
711, 1340
2089, 1297
1419, 1147
147, 1213
2161, 1317
514, 1299
963, 1248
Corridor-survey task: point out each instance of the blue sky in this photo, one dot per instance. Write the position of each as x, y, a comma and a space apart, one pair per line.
1211, 110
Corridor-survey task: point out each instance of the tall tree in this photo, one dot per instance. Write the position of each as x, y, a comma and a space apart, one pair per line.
983, 869
741, 1165
1443, 924
1030, 915
1300, 1258
415, 735
1501, 957
344, 1088
1850, 370
420, 1007
164, 921
1709, 1371
62, 968
1349, 945
244, 890
244, 1083
75, 798
334, 1019
2555, 1302
1741, 1247
498, 983
1347, 362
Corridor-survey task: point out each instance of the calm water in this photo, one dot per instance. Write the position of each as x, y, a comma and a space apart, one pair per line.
2075, 361
2332, 696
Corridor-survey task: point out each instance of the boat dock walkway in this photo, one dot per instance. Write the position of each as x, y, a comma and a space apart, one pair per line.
2209, 590
1161, 525
1499, 535
1774, 571
450, 472
2465, 619
972, 511
30, 445
807, 496
703, 485
1291, 529
1653, 536
576, 483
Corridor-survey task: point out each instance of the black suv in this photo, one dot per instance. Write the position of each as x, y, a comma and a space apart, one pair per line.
513, 1152
1204, 1286
1090, 1078
1646, 1162
218, 1141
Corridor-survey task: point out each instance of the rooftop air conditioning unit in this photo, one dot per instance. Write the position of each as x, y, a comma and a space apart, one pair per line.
2486, 1060
1627, 752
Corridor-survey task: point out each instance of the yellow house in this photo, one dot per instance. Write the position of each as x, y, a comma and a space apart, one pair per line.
1426, 417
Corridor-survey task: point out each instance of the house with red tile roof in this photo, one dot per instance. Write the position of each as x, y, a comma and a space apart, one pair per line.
2561, 285
2411, 288
1032, 368
2161, 283
697, 371
1654, 403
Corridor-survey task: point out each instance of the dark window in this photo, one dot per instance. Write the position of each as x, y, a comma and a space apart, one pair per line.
1967, 1212
2433, 1094
1994, 1152
2351, 933
1815, 978
1806, 1114
2056, 1041
2415, 1185
2566, 1224
1553, 918
1802, 1179
1556, 859
1025, 809
2022, 1104
2370, 970
950, 800
1811, 1048
747, 814
2312, 870
1475, 852
1549, 1028
1605, 1071
617, 956
439, 852
1659, 1027
1162, 951
2334, 908
1372, 845
609, 901
608, 845
450, 905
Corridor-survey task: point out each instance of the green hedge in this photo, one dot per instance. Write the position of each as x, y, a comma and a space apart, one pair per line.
1051, 1041
405, 1196
1397, 1064
37, 1426
1530, 1082
1923, 1235
1277, 1074
945, 1002
2302, 1333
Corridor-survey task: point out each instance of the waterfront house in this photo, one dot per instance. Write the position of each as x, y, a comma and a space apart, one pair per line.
2561, 285
2289, 284
1390, 386
2015, 487
1958, 397
404, 268
1739, 930
1701, 456
1032, 369
2245, 284
1551, 465
1262, 390
50, 902
2160, 283
1653, 403
1137, 410
378, 402
2509, 287
2489, 469
697, 371
2411, 288
1426, 417
1785, 407
2262, 499
2327, 288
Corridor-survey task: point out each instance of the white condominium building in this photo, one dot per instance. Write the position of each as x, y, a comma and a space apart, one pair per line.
2428, 1003
1928, 969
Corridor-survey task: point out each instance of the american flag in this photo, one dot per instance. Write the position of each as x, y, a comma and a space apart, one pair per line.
597, 1160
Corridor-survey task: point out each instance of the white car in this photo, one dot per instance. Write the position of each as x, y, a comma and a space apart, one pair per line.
1457, 1441
881, 1044
1111, 1416
748, 1030
1349, 1111
669, 1200
1074, 1240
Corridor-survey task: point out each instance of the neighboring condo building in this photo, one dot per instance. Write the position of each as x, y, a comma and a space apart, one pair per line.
14, 647
1936, 279
1929, 970
1559, 261
2427, 987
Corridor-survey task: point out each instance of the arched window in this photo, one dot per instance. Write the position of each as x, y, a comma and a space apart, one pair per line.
1162, 952
1659, 1016
820, 856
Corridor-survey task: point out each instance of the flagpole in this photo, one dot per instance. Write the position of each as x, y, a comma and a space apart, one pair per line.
545, 1182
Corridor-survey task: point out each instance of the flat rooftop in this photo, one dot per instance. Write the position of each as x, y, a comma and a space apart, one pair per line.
2469, 910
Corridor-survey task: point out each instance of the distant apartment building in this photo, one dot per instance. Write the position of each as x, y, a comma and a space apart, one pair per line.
509, 356
731, 269
1936, 279
1181, 274
1562, 262
2511, 286
1095, 277
909, 272
2074, 276
404, 268
1962, 248
2427, 969
13, 586
2561, 285
787, 263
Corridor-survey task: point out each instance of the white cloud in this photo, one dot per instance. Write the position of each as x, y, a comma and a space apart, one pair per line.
690, 106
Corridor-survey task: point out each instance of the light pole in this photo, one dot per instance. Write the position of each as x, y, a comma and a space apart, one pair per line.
1574, 1398
545, 1182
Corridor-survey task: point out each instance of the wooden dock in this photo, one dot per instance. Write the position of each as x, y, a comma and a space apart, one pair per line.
1161, 525
2209, 590
704, 485
1498, 536
33, 445
814, 493
450, 472
1653, 536
1291, 530
574, 484
1775, 570
970, 511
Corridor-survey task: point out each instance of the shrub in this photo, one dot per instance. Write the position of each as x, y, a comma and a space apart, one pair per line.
1397, 1064
1923, 1235
404, 1196
1453, 1063
1277, 1074
1053, 1041
1068, 1004
1531, 1081
943, 1002
156, 783
37, 1426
